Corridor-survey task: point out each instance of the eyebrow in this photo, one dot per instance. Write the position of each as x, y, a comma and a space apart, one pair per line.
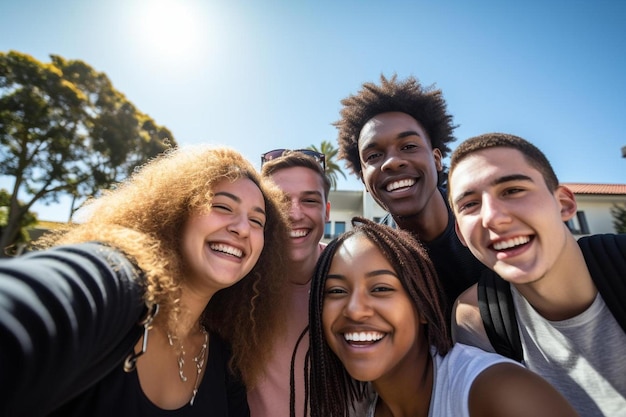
400, 135
238, 200
497, 181
371, 274
317, 193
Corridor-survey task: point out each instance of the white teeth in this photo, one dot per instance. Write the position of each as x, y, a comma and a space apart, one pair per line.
363, 336
220, 247
400, 184
506, 244
298, 233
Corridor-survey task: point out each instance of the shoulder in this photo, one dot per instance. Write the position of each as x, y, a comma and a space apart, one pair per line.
466, 362
467, 324
455, 376
508, 389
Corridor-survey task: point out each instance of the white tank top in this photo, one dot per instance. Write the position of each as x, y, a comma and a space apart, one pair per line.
454, 375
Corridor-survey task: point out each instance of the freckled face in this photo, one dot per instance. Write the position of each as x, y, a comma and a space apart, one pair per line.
222, 245
368, 318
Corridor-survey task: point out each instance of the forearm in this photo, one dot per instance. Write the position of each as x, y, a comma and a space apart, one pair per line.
67, 316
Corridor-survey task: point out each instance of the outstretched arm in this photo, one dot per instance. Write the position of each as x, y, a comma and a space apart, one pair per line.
67, 316
509, 390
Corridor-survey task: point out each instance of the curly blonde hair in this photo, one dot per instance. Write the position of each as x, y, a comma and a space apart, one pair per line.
144, 218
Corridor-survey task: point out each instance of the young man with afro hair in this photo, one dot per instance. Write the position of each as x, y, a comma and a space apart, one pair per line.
394, 137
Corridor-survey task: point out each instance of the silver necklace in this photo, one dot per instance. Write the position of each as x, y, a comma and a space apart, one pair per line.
198, 360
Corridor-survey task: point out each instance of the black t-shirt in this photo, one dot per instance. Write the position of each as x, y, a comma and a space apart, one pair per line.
119, 394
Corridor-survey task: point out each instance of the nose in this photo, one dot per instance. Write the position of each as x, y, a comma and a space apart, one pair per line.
393, 162
357, 308
493, 213
240, 225
295, 211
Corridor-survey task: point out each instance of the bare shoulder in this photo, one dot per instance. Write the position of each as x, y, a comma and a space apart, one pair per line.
510, 390
467, 302
467, 325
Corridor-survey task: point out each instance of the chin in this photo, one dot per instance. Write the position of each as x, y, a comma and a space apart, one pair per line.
362, 376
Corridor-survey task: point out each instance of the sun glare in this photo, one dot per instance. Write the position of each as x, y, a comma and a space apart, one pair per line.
169, 29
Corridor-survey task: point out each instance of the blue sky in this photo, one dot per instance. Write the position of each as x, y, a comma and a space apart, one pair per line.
258, 75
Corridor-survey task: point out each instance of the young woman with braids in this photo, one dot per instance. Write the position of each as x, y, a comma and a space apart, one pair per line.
165, 301
376, 316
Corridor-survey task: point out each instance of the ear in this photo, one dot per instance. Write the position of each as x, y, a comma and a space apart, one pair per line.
327, 216
567, 201
438, 158
458, 233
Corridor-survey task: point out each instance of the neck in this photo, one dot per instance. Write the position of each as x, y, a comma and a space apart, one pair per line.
566, 290
301, 272
429, 223
408, 391
192, 305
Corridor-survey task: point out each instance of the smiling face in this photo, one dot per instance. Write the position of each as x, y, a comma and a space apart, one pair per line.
368, 319
508, 217
309, 211
399, 167
222, 245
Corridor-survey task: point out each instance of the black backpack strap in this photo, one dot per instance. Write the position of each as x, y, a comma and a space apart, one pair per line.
497, 311
605, 255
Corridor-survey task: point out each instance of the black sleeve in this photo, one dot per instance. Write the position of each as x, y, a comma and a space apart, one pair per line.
67, 317
237, 397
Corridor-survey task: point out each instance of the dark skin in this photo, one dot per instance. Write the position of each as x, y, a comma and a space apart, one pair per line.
364, 294
508, 390
400, 170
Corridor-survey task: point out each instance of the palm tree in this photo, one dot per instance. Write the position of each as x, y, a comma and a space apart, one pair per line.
332, 167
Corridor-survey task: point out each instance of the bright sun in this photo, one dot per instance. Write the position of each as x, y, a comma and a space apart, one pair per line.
169, 29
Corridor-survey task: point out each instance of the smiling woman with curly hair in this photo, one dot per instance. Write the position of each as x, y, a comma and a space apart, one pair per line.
196, 232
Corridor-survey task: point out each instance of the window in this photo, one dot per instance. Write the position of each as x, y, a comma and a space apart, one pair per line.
582, 221
327, 230
578, 225
340, 227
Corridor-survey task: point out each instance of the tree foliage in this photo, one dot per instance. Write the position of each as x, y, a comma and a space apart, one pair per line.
29, 219
332, 167
65, 130
619, 217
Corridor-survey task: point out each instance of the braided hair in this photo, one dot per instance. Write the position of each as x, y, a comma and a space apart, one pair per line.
333, 390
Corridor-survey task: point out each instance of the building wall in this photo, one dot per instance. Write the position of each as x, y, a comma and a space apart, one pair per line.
344, 205
597, 210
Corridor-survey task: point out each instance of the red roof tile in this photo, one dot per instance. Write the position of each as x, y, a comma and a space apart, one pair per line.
604, 189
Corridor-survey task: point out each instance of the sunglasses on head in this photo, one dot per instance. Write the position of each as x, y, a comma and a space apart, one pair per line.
276, 153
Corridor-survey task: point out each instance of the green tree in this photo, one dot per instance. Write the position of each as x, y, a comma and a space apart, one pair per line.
29, 219
64, 129
619, 217
332, 167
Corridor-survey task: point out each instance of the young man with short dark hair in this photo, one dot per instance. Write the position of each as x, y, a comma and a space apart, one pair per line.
394, 137
555, 295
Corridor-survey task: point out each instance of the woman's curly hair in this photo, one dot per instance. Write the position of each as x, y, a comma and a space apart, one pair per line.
144, 217
424, 104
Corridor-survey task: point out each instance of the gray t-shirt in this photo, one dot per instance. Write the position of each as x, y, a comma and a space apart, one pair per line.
583, 357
